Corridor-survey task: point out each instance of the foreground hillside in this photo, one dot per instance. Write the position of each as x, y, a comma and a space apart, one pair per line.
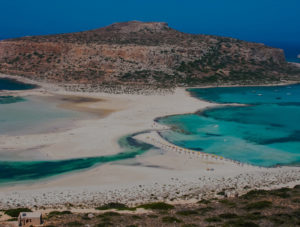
137, 53
256, 208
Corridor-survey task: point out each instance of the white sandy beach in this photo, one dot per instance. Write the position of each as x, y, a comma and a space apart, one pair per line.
160, 174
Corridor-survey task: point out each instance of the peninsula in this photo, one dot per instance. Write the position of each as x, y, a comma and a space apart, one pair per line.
142, 55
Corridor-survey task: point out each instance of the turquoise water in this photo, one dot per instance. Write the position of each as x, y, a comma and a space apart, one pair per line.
251, 95
10, 84
265, 133
10, 99
12, 172
297, 60
19, 116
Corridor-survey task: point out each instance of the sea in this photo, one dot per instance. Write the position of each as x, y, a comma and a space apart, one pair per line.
291, 50
264, 130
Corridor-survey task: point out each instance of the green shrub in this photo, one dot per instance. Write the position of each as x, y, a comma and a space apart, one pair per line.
74, 223
156, 206
240, 223
213, 219
117, 206
297, 186
109, 214
228, 215
204, 201
253, 216
12, 219
204, 210
296, 200
259, 205
187, 212
15, 212
254, 194
136, 217
221, 193
227, 203
296, 213
282, 192
170, 220
57, 213
104, 224
105, 219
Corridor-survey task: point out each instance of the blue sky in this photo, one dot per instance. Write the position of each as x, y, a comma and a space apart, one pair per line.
269, 21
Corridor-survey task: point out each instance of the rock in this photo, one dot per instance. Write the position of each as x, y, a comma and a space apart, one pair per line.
91, 215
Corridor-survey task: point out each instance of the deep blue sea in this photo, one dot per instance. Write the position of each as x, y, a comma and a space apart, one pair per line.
291, 50
265, 132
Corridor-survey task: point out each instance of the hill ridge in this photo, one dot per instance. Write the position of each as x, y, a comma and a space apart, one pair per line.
143, 53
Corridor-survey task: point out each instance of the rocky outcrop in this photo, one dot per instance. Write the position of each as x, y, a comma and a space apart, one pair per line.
134, 53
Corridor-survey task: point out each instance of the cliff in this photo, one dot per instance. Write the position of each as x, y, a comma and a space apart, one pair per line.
137, 53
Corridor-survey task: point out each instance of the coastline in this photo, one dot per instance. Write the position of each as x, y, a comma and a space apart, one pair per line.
161, 172
251, 85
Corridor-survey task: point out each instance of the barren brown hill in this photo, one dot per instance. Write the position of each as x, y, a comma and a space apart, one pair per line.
143, 54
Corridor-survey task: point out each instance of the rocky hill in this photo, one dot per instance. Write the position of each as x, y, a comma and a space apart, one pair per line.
137, 53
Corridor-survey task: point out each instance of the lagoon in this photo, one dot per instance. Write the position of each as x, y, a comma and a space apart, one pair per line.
266, 132
10, 84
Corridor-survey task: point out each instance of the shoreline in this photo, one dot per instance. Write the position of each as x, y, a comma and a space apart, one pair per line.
57, 87
252, 85
131, 181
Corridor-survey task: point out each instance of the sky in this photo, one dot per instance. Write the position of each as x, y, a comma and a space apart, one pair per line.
274, 22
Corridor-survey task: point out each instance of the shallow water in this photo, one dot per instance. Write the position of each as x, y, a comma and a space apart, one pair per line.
285, 95
32, 115
20, 115
10, 99
9, 84
264, 133
12, 172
